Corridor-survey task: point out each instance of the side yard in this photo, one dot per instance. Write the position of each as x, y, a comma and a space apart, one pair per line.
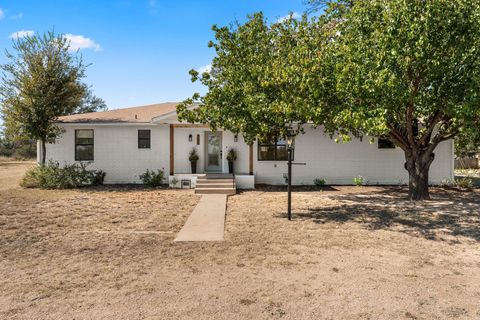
350, 253
11, 172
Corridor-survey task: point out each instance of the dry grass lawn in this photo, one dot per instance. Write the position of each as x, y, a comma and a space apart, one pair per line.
11, 172
350, 253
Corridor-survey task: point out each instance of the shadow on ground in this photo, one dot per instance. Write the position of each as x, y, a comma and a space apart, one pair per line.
450, 212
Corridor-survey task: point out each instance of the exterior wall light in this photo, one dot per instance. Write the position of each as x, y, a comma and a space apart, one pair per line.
190, 137
291, 142
235, 138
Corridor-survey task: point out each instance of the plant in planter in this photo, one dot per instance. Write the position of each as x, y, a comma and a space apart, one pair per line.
231, 157
193, 157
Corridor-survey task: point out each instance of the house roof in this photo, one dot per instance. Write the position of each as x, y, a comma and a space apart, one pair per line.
142, 114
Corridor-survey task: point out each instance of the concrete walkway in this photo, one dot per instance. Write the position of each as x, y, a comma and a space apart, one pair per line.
207, 221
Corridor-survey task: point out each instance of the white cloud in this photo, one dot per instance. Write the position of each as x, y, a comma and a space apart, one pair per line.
2, 14
294, 15
81, 42
21, 34
203, 69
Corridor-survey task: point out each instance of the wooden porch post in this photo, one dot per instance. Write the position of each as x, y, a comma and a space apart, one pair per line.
250, 159
172, 150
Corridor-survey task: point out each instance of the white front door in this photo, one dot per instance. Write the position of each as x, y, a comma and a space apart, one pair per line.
213, 154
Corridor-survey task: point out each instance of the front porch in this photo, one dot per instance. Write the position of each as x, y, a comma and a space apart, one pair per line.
212, 148
241, 181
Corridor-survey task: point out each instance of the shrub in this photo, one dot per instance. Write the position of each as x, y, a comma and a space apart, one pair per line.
98, 177
446, 183
319, 182
153, 179
358, 181
465, 183
173, 182
53, 176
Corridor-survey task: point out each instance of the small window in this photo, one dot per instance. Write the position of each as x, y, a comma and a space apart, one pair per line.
84, 145
144, 139
385, 144
272, 149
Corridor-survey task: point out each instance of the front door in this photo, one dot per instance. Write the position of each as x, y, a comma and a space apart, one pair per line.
213, 153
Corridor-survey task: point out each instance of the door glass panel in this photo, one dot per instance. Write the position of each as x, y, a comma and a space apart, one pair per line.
214, 146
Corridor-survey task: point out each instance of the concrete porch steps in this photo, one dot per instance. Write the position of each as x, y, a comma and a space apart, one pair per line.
216, 183
210, 176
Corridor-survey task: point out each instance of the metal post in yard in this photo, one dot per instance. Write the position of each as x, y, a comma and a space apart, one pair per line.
289, 183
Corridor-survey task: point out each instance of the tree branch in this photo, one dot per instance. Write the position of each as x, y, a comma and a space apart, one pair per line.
430, 127
398, 138
410, 136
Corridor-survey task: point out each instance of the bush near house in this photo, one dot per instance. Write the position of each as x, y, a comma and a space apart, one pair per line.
319, 182
53, 176
153, 179
464, 183
359, 181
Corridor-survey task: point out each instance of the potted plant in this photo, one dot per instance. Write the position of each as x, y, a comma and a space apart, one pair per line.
193, 157
231, 157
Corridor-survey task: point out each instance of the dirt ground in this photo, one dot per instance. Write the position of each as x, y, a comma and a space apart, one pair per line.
349, 253
11, 172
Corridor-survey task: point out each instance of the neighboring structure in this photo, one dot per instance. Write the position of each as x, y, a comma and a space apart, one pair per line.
468, 162
126, 142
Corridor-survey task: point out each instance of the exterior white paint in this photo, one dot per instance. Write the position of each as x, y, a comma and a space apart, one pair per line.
245, 181
242, 181
116, 152
339, 163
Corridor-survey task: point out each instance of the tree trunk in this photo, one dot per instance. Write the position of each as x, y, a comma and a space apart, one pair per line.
44, 153
418, 166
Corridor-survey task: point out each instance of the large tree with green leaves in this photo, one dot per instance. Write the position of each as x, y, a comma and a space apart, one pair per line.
257, 83
409, 71
41, 82
405, 70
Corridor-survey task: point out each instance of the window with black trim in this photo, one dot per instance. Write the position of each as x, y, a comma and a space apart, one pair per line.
272, 149
385, 144
84, 145
143, 139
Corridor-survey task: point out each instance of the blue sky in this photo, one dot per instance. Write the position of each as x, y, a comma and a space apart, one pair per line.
140, 50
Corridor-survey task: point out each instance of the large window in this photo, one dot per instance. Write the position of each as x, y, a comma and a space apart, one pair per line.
272, 149
144, 139
84, 145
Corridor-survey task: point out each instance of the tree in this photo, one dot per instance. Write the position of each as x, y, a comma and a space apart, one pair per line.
467, 143
91, 103
329, 7
409, 71
257, 85
40, 82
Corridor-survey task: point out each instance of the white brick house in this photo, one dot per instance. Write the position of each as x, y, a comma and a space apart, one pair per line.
126, 142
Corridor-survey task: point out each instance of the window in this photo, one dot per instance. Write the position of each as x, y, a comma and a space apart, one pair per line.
144, 139
385, 144
84, 145
272, 149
